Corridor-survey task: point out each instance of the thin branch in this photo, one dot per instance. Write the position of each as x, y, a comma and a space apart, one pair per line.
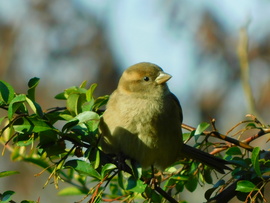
165, 194
244, 65
259, 134
222, 137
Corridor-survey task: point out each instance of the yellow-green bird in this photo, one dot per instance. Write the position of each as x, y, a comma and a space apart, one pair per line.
143, 121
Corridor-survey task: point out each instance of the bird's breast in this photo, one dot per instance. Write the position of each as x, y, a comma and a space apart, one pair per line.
147, 131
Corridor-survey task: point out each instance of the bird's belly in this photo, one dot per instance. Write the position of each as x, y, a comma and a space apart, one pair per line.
148, 135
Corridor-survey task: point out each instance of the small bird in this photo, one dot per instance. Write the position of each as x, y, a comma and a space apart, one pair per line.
143, 121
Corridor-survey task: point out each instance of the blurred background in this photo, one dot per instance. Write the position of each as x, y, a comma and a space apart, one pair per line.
64, 42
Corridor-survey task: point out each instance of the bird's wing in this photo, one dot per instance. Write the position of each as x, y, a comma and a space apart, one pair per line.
178, 105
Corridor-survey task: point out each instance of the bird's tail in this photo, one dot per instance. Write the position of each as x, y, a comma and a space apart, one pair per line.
205, 158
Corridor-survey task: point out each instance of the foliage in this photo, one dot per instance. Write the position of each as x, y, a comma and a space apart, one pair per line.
64, 142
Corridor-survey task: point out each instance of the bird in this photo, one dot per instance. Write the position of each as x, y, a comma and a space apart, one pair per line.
143, 121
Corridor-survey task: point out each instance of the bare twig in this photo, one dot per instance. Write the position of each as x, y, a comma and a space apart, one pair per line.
244, 65
222, 137
259, 134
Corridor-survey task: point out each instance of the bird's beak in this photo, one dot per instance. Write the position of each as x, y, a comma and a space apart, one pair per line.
162, 78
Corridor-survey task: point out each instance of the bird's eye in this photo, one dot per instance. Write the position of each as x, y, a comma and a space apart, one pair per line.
146, 78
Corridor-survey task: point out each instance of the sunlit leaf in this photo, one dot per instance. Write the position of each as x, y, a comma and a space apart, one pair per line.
31, 124
8, 173
84, 83
245, 186
72, 104
100, 101
83, 168
61, 96
89, 92
15, 104
35, 107
201, 127
255, 160
89, 118
71, 191
1, 119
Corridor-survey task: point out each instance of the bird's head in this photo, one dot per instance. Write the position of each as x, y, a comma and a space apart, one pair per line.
144, 78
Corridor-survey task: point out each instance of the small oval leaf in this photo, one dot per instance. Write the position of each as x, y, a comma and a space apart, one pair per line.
245, 186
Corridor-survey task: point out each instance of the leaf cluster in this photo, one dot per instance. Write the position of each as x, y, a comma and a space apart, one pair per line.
64, 142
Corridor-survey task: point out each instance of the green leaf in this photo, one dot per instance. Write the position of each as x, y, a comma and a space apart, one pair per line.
50, 145
47, 137
94, 157
75, 102
83, 84
71, 191
31, 125
83, 168
89, 92
6, 92
107, 168
25, 139
180, 177
87, 106
152, 195
100, 101
72, 104
234, 151
65, 116
61, 96
255, 160
192, 183
201, 127
8, 173
186, 136
135, 185
35, 107
114, 188
1, 119
207, 176
32, 84
245, 186
70, 124
241, 162
15, 104
6, 196
136, 169
251, 126
123, 179
89, 118
74, 90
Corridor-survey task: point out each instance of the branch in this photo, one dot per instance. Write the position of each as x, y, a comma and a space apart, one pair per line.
222, 137
165, 194
259, 134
